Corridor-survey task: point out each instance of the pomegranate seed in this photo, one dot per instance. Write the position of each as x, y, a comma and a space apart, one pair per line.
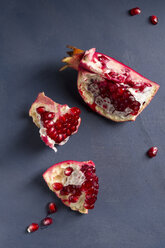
68, 132
40, 110
32, 228
86, 185
75, 111
68, 171
73, 198
57, 186
47, 221
52, 208
152, 152
64, 191
88, 206
135, 11
154, 19
73, 129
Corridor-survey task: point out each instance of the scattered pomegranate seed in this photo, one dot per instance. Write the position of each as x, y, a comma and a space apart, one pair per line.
68, 171
152, 151
52, 208
57, 186
32, 228
135, 11
154, 19
47, 221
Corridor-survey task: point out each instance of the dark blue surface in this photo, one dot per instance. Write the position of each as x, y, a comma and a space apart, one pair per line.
130, 211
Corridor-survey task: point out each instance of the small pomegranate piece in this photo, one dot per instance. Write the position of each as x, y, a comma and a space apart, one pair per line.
56, 122
135, 11
152, 152
52, 208
109, 87
79, 186
47, 221
32, 228
154, 19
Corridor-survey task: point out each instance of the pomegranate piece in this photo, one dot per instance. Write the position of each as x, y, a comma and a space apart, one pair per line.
153, 19
152, 152
52, 208
79, 189
56, 122
47, 221
109, 87
135, 11
32, 228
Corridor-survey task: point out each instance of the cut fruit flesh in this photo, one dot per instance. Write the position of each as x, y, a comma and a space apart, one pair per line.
79, 189
104, 81
56, 122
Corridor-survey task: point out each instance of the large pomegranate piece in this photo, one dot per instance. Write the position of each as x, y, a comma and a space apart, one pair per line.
75, 183
109, 87
56, 122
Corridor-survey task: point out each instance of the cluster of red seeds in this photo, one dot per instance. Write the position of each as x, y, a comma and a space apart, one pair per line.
64, 126
90, 187
119, 96
46, 221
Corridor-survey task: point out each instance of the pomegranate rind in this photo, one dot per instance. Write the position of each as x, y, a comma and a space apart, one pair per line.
51, 106
84, 61
55, 174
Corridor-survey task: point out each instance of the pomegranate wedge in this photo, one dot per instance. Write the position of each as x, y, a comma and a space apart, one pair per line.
109, 87
56, 122
75, 183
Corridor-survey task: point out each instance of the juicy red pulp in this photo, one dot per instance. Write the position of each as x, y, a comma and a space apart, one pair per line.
89, 187
107, 92
64, 126
114, 89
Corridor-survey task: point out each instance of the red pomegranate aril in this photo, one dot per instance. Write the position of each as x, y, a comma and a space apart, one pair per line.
51, 131
58, 125
135, 11
64, 191
32, 228
68, 171
48, 123
48, 115
76, 111
73, 199
47, 221
154, 19
86, 185
88, 206
52, 208
90, 199
73, 129
57, 186
40, 110
152, 152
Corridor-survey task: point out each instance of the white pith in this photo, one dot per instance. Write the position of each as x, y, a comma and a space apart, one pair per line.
84, 79
77, 177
